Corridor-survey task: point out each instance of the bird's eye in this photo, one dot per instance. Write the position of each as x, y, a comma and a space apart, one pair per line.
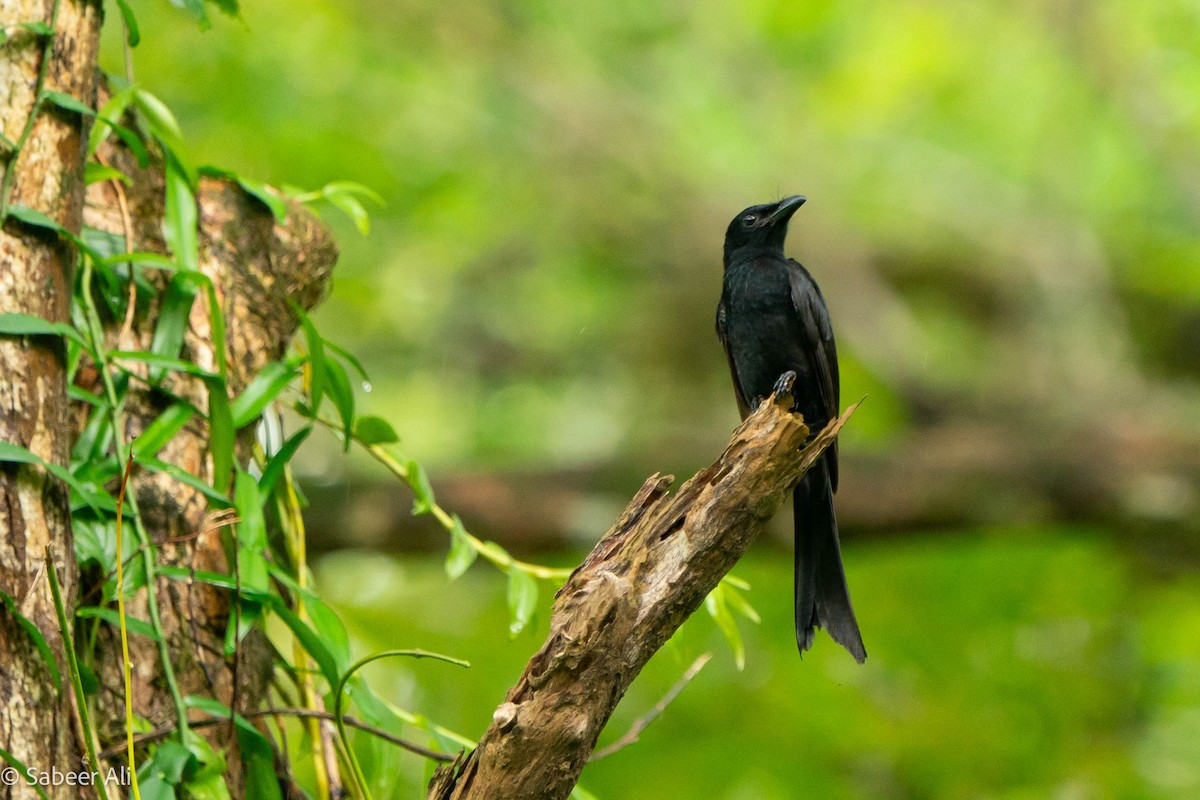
749, 219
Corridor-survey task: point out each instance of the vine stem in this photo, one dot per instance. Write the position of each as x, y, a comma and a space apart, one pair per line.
339, 695
492, 552
293, 521
89, 733
43, 69
126, 663
124, 453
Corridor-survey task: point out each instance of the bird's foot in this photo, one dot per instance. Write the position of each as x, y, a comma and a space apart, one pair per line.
785, 383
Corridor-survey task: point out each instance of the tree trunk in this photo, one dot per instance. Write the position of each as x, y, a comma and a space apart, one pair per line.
651, 570
42, 170
259, 267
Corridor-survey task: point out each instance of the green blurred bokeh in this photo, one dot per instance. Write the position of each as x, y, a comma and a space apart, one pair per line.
1005, 218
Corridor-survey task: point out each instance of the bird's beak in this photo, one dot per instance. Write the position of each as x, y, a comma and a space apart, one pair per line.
787, 206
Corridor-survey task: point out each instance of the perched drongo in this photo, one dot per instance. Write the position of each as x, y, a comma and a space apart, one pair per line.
772, 320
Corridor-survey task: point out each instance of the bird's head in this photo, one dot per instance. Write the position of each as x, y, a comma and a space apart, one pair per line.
762, 226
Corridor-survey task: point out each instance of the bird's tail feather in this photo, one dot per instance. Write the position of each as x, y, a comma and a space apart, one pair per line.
822, 598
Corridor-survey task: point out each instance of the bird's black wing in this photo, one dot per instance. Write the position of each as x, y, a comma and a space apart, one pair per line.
743, 404
818, 335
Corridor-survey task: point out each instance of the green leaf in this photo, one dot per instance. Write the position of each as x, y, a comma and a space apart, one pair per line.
131, 26
462, 552
197, 10
31, 216
374, 430
342, 394
258, 762
180, 218
142, 259
89, 681
354, 210
39, 641
267, 196
14, 452
163, 362
95, 440
94, 496
78, 394
95, 172
12, 760
169, 761
735, 600
221, 581
95, 541
352, 189
311, 642
350, 359
208, 783
106, 120
418, 481
84, 491
229, 7
222, 435
133, 141
159, 117
39, 27
252, 532
174, 313
274, 468
186, 478
257, 756
162, 429
111, 616
14, 324
716, 606
345, 195
332, 631
265, 387
316, 360
256, 189
214, 708
522, 599
216, 322
69, 103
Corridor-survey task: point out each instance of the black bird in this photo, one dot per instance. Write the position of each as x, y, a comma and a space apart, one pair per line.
772, 320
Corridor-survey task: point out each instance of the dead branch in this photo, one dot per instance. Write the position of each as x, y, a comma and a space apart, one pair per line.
651, 570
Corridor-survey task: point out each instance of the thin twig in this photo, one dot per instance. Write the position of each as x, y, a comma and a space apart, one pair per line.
643, 722
301, 713
127, 226
490, 551
126, 664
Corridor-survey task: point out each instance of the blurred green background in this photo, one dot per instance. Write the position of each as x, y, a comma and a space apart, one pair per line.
1004, 216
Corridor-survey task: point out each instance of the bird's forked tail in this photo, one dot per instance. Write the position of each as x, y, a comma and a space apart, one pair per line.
822, 598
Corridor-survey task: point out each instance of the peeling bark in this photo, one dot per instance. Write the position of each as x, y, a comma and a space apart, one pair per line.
35, 278
651, 570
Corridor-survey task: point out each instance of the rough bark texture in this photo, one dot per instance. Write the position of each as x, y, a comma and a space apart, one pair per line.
35, 278
258, 267
651, 570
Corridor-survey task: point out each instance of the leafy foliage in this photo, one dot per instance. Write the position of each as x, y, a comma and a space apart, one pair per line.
267, 530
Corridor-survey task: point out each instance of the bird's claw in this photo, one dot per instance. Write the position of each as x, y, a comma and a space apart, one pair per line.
785, 383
